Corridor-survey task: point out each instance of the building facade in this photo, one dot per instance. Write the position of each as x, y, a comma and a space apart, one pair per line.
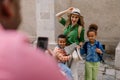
39, 19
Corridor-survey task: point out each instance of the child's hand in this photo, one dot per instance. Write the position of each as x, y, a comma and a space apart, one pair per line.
81, 44
70, 56
78, 46
98, 51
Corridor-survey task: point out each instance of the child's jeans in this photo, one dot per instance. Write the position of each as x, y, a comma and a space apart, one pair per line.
66, 70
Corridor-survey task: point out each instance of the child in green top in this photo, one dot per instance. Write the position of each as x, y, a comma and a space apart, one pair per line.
72, 31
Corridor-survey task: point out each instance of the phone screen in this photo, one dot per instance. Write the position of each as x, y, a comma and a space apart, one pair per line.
42, 42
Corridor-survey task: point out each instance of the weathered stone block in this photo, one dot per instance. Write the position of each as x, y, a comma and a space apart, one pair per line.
117, 57
117, 74
110, 72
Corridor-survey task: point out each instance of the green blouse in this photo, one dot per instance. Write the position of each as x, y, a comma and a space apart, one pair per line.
72, 33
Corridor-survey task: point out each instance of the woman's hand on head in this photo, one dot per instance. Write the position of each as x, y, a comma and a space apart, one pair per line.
69, 10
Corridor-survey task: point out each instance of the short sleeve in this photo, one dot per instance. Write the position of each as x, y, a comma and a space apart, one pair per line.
63, 21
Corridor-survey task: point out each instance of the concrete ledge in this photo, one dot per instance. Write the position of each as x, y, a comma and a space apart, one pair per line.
52, 45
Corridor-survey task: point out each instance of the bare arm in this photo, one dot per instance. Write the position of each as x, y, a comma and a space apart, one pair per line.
60, 14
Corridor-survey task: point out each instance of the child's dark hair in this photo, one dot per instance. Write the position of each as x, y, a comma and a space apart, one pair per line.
61, 36
92, 28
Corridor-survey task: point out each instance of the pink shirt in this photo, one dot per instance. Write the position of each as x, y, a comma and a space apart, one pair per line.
20, 61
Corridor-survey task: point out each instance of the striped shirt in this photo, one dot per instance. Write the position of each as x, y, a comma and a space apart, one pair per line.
60, 54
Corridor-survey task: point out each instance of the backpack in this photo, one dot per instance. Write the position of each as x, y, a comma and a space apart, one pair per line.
97, 45
79, 31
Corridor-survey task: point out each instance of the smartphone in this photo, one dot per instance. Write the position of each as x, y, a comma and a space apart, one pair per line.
42, 43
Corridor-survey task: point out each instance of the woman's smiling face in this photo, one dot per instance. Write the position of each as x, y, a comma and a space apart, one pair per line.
74, 19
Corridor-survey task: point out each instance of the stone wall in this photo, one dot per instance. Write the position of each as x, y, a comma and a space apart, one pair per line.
45, 19
105, 13
60, 5
28, 12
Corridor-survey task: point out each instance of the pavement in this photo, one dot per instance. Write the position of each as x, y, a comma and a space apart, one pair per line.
107, 71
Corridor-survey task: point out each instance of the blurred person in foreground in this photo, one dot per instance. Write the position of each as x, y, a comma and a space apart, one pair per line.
18, 59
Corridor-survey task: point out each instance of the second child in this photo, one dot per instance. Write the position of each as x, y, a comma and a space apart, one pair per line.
93, 50
62, 57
